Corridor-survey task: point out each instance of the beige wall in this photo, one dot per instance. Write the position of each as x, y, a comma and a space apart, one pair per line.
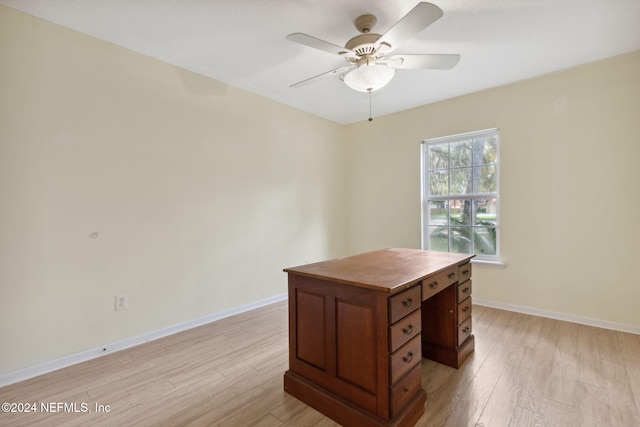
120, 174
570, 152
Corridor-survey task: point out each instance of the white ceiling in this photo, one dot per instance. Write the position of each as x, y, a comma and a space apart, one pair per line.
242, 42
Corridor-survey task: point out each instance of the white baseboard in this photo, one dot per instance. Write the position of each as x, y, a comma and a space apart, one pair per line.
622, 327
83, 356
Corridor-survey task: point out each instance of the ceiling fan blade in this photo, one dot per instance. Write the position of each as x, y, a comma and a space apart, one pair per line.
310, 41
430, 62
418, 18
320, 76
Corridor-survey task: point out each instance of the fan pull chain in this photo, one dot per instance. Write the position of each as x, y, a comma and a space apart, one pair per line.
370, 118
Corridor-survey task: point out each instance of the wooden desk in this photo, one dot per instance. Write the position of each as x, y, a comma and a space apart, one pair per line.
358, 325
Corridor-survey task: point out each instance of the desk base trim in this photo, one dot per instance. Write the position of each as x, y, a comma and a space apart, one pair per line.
447, 356
346, 413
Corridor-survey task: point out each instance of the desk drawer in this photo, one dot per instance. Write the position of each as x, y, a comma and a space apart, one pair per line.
464, 310
464, 330
404, 303
464, 272
434, 284
464, 291
405, 389
403, 330
405, 358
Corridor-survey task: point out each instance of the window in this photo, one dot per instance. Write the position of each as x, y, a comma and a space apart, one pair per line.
460, 194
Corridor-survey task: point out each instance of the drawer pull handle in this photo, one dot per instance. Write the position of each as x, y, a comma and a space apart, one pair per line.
465, 291
433, 285
405, 389
451, 275
407, 302
465, 330
409, 357
465, 272
408, 329
465, 310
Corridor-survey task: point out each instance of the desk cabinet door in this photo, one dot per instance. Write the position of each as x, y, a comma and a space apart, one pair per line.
439, 318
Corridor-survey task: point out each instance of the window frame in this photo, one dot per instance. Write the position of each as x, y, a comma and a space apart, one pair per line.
425, 188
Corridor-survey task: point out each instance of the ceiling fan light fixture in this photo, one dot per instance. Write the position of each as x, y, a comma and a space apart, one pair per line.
369, 77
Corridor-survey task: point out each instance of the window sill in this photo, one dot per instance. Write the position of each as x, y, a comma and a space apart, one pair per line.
490, 263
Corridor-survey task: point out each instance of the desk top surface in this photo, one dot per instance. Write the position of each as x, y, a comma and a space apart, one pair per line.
385, 269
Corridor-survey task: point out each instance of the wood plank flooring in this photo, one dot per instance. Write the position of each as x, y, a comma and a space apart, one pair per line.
525, 371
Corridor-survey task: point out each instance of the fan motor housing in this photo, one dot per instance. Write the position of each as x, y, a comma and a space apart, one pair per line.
363, 44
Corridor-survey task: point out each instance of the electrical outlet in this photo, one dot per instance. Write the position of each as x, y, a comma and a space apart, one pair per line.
121, 302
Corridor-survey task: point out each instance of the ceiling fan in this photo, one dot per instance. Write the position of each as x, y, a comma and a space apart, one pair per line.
370, 65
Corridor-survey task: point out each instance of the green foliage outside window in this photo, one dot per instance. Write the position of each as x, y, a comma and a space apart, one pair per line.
461, 197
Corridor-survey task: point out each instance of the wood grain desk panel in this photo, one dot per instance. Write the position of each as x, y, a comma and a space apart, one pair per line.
355, 344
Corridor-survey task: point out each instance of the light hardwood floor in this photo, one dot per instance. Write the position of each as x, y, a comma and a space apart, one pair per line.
525, 371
